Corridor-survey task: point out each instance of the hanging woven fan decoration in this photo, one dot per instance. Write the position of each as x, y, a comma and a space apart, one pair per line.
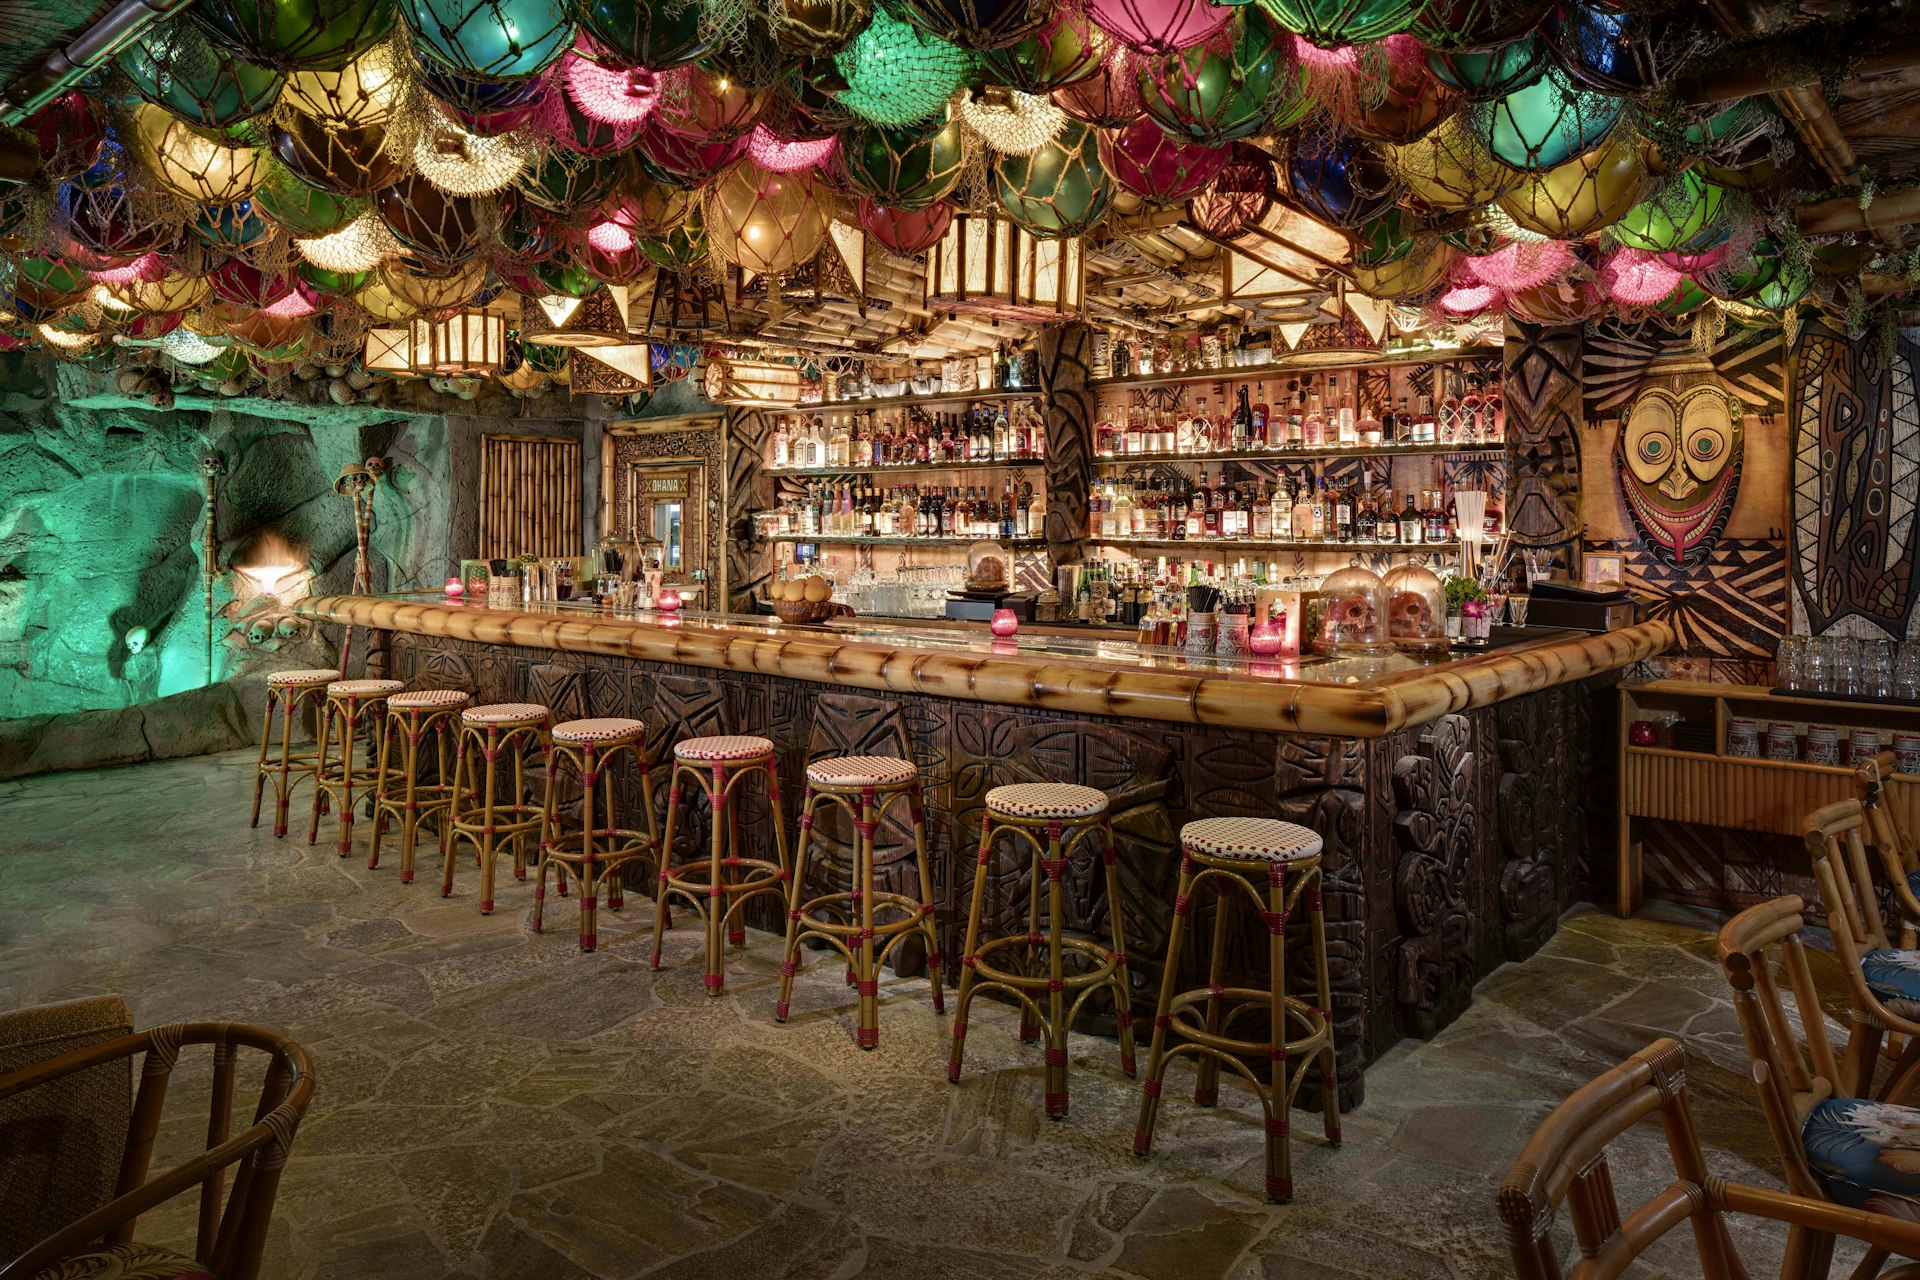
1547, 123
1584, 196
465, 164
176, 66
1159, 26
339, 161
1244, 81
765, 222
429, 221
1334, 24
1450, 169
784, 155
289, 35
1238, 196
611, 95
906, 231
897, 74
903, 168
1011, 122
1158, 168
1068, 48
1060, 190
490, 39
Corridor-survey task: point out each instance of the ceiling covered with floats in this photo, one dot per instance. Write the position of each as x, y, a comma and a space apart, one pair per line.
220, 191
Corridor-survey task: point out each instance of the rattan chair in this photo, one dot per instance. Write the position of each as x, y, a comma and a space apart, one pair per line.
1899, 856
230, 1236
1565, 1162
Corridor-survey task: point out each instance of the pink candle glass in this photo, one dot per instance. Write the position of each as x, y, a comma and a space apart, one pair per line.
455, 588
1005, 622
1266, 639
668, 600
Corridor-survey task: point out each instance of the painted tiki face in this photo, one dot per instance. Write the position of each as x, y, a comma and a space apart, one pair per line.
1679, 457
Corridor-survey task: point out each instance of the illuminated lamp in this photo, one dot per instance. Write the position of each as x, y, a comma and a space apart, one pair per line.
1450, 169
1246, 80
71, 130
1411, 278
612, 371
467, 342
778, 155
1011, 122
1561, 302
174, 65
987, 264
1634, 278
897, 74
1069, 48
465, 164
765, 222
187, 162
343, 161
1237, 198
362, 92
1110, 97
1339, 179
1582, 197
656, 34
609, 94
1673, 218
708, 105
593, 321
1059, 190
1159, 26
764, 384
1522, 265
906, 231
1144, 159
188, 347
1481, 74
681, 161
903, 168
388, 351
361, 245
1333, 24
1467, 300
293, 34
817, 28
490, 39
1547, 123
429, 221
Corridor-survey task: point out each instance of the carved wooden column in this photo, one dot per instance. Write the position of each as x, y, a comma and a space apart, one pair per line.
1066, 357
1542, 393
749, 561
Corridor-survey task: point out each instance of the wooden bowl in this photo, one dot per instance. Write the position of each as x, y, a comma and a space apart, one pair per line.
800, 613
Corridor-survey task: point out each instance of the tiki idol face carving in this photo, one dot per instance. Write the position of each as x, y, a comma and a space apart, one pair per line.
1679, 456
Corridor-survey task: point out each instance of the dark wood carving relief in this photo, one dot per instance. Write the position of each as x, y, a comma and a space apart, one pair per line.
1066, 355
1417, 851
1542, 390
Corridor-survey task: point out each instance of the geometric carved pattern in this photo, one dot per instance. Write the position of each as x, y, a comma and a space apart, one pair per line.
1537, 816
1436, 830
749, 562
1619, 354
1855, 425
1064, 352
1732, 605
1542, 393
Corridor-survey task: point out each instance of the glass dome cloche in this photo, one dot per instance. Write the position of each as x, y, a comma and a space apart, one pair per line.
1353, 616
989, 567
1416, 608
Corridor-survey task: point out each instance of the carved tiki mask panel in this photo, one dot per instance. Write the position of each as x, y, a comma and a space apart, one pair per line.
1679, 457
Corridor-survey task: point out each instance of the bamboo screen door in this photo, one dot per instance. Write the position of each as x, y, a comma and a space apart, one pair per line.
530, 501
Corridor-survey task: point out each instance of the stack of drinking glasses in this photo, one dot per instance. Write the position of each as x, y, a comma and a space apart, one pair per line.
1850, 666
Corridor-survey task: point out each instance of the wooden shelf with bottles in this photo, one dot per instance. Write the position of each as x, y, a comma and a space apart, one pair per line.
907, 469
1274, 544
1302, 454
910, 401
1281, 369
869, 540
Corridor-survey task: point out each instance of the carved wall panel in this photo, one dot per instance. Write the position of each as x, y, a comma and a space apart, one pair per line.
1542, 393
1066, 353
1539, 814
1436, 830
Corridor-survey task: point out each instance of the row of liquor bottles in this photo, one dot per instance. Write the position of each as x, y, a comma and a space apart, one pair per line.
1307, 420
1310, 511
1000, 431
863, 510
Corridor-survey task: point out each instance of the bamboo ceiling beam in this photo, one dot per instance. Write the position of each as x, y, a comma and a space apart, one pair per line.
1761, 73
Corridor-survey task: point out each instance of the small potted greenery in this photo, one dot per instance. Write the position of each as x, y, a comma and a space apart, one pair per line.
1468, 618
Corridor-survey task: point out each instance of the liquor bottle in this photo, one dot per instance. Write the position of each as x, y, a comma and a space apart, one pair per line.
1263, 429
1000, 366
1210, 510
1411, 524
1435, 525
1313, 428
782, 445
1194, 525
1002, 434
1387, 526
1470, 425
1343, 515
1240, 426
1280, 518
1347, 431
1372, 430
1122, 359
839, 444
1402, 425
1022, 517
1426, 428
1366, 521
1296, 414
1250, 507
1302, 521
948, 509
1448, 419
1494, 405
1036, 512
1260, 517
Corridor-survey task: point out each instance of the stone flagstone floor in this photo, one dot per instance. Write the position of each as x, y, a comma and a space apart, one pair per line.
492, 1103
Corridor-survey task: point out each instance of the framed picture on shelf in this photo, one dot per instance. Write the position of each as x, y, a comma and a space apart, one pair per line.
1599, 567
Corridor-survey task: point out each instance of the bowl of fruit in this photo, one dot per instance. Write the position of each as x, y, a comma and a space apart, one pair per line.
800, 601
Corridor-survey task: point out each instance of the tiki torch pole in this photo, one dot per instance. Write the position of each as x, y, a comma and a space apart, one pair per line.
356, 485
211, 465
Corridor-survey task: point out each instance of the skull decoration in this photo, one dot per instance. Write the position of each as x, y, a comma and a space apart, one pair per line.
135, 640
1679, 459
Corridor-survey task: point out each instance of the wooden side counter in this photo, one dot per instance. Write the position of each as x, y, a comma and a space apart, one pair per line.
1453, 796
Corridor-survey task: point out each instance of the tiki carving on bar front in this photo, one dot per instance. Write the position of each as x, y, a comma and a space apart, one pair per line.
1535, 818
1856, 477
1435, 831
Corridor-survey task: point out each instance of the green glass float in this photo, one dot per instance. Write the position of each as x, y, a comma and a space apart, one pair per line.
1744, 279
817, 28
680, 248
1386, 237
1218, 91
1065, 52
1786, 291
655, 34
1674, 219
1686, 296
490, 39
567, 180
51, 275
232, 227
979, 24
562, 275
1482, 75
1477, 24
1334, 24
903, 168
304, 211
290, 35
1547, 123
176, 65
897, 74
1059, 190
525, 232
334, 284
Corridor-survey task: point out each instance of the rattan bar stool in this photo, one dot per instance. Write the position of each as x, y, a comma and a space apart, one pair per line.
594, 854
290, 691
477, 808
348, 708
864, 786
720, 885
398, 794
1240, 856
1068, 815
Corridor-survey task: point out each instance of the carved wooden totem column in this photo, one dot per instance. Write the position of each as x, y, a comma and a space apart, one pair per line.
1542, 393
1066, 356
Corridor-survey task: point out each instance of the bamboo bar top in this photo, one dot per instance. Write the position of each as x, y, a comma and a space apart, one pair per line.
1350, 697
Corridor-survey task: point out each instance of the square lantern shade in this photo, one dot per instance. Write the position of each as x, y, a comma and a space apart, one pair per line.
596, 320
763, 384
986, 265
467, 342
389, 351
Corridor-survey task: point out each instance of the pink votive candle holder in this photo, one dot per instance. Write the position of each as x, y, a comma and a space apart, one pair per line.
1266, 639
455, 588
1005, 622
668, 601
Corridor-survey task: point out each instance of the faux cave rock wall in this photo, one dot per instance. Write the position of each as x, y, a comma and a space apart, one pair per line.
101, 524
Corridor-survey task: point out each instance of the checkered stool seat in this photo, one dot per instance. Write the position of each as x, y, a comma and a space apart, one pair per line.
306, 675
1253, 839
1047, 800
731, 747
861, 771
364, 688
504, 713
604, 730
428, 700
